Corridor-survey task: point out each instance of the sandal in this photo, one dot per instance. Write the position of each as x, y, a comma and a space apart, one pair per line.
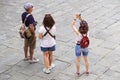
78, 74
87, 73
26, 59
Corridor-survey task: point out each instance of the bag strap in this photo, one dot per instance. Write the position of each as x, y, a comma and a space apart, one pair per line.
26, 18
48, 31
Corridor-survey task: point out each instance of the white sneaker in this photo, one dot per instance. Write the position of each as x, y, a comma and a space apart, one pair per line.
47, 71
34, 61
52, 66
26, 59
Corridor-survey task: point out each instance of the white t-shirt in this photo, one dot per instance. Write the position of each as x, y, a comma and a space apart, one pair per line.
47, 41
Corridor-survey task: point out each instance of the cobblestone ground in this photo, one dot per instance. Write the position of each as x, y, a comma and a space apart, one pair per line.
103, 17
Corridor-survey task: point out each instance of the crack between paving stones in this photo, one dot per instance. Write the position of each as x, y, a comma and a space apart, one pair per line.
101, 59
10, 47
64, 41
100, 75
10, 67
117, 71
106, 70
63, 61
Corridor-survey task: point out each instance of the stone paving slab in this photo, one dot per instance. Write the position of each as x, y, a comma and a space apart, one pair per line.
103, 17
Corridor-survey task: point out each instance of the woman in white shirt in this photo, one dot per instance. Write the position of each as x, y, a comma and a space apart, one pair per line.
79, 50
48, 42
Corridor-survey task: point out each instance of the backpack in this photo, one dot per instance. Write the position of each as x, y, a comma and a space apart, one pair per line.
25, 33
84, 43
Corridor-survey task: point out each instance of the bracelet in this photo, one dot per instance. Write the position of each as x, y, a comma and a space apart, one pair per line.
74, 19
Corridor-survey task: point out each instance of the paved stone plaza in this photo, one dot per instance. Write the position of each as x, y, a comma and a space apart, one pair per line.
103, 17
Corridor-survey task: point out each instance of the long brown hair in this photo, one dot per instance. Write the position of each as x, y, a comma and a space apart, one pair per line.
48, 21
83, 29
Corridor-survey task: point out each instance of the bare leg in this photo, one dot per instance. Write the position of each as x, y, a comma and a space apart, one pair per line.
78, 64
50, 58
31, 53
26, 52
86, 63
46, 59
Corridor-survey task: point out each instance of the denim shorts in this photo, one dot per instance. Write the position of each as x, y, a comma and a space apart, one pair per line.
44, 49
79, 51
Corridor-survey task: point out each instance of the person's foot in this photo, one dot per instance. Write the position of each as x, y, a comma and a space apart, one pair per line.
87, 73
34, 61
78, 74
47, 71
26, 59
52, 66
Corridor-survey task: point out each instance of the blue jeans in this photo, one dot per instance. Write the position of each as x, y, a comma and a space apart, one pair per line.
44, 49
79, 51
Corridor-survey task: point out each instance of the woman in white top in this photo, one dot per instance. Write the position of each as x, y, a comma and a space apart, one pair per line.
48, 42
79, 50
